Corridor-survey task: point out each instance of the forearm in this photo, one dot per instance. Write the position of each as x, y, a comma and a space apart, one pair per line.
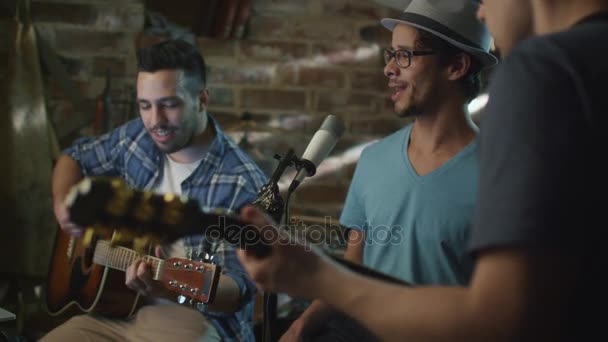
227, 297
317, 312
508, 298
315, 315
398, 313
65, 174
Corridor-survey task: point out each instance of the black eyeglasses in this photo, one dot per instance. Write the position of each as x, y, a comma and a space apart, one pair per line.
403, 57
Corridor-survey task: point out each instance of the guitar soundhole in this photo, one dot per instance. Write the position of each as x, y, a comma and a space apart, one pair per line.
88, 256
77, 279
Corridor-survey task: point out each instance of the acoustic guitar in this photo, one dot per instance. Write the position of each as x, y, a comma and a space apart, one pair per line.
87, 275
98, 203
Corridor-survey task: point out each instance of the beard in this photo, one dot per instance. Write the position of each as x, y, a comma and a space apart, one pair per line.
409, 111
178, 142
184, 133
174, 146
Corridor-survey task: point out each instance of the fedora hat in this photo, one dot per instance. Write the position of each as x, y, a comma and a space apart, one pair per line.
454, 21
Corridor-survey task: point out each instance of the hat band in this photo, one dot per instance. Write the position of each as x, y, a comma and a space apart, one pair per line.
437, 27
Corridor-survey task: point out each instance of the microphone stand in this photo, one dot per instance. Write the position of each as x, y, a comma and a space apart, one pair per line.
269, 199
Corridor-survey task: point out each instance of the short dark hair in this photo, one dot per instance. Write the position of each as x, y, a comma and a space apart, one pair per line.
173, 54
471, 82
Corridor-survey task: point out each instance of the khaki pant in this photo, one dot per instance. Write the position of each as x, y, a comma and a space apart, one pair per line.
161, 322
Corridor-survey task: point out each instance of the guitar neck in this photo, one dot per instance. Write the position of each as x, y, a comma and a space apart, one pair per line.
120, 258
109, 202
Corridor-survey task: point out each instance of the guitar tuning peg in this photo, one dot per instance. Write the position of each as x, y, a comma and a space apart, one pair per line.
200, 306
192, 302
181, 299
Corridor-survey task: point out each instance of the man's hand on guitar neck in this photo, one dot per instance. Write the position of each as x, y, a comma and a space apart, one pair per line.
139, 279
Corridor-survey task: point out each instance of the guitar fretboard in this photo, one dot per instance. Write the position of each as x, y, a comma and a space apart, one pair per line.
120, 258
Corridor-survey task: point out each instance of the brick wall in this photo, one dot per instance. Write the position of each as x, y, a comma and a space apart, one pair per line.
299, 61
92, 38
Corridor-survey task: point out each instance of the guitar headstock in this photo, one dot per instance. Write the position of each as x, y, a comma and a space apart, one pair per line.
192, 279
101, 202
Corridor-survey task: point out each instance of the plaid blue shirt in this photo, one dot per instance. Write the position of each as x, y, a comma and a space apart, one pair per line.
226, 179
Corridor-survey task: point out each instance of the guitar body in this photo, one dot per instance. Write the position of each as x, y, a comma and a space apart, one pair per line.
75, 283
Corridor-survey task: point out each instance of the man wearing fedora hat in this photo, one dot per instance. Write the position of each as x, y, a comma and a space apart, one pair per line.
411, 200
538, 239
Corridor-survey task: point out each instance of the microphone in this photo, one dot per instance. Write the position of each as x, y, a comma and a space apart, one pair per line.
319, 147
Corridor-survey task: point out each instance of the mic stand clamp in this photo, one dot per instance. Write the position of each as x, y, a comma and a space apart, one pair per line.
269, 199
306, 165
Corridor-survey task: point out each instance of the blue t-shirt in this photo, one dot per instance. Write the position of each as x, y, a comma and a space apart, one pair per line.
416, 227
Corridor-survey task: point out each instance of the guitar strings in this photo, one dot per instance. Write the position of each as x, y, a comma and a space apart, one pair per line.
121, 258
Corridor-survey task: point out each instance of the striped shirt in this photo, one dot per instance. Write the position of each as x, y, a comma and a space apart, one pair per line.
226, 178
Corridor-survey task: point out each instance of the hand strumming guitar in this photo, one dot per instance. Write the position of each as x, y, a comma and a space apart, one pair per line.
290, 267
63, 219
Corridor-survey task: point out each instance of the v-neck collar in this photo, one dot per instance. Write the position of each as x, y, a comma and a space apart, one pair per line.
442, 168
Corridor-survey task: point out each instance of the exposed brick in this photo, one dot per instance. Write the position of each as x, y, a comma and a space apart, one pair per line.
273, 99
93, 87
322, 193
348, 54
239, 75
192, 15
75, 67
69, 13
124, 17
127, 17
310, 209
234, 121
354, 9
318, 77
86, 42
294, 7
226, 120
223, 97
368, 80
387, 105
275, 123
375, 33
274, 51
376, 126
88, 88
312, 124
217, 47
345, 102
116, 66
147, 39
66, 120
349, 171
300, 28
348, 141
280, 143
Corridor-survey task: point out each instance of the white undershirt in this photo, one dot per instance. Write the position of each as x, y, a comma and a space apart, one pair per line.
174, 174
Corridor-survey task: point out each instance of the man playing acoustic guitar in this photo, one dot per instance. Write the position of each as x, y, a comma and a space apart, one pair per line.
175, 146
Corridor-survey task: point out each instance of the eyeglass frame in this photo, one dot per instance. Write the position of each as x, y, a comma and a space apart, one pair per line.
410, 54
